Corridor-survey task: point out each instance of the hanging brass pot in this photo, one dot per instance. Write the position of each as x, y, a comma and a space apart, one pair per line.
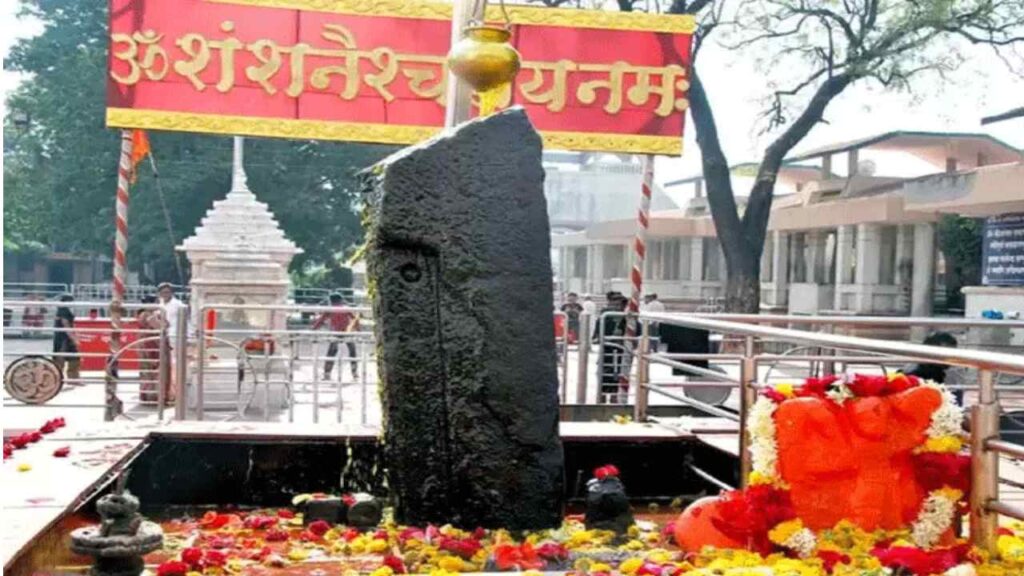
483, 58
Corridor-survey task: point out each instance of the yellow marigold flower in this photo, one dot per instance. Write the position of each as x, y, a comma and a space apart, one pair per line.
1011, 549
786, 389
783, 531
413, 544
660, 556
902, 543
451, 564
633, 545
298, 554
234, 565
757, 478
631, 565
382, 571
943, 444
377, 546
532, 573
950, 493
24, 467
480, 556
442, 572
193, 573
331, 535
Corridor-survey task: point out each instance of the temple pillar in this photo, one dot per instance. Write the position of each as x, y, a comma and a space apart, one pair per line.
922, 291
844, 261
869, 244
779, 286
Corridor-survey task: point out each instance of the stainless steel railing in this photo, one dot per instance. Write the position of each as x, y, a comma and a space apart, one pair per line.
986, 446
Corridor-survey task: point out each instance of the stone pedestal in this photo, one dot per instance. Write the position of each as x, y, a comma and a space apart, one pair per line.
459, 253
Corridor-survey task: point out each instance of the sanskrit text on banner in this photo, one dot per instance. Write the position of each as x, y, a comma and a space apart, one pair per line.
626, 89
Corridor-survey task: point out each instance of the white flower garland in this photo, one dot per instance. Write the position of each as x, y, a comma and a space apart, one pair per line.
933, 520
764, 450
938, 508
803, 542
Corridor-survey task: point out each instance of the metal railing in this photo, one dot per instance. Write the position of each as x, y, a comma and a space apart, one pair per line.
78, 364
986, 445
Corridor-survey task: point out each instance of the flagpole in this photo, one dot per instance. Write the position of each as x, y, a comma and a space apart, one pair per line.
637, 274
113, 403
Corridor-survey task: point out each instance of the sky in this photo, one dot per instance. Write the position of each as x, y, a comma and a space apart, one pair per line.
982, 87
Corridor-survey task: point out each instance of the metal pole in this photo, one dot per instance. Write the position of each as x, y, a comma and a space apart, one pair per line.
583, 359
200, 363
181, 365
642, 374
748, 393
984, 465
316, 387
363, 383
163, 368
458, 94
113, 403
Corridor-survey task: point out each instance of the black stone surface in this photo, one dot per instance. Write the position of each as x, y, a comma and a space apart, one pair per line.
332, 510
459, 265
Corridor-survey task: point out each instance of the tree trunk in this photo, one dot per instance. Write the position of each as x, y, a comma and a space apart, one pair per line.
743, 282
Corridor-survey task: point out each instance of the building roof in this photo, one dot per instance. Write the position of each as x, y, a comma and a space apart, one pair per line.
791, 173
1015, 113
933, 147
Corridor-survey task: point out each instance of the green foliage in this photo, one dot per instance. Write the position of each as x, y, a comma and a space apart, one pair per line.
60, 172
960, 241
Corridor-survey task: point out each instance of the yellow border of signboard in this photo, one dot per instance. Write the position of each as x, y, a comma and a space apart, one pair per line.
518, 14
366, 132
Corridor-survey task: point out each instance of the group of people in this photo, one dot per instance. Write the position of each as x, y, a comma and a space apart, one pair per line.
163, 318
613, 326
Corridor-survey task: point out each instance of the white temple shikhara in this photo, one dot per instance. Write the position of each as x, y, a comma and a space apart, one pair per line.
240, 255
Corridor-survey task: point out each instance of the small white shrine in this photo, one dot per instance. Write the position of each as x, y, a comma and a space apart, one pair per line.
240, 255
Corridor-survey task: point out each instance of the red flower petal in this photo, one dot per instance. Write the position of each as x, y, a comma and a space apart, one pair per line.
172, 568
62, 452
192, 556
319, 527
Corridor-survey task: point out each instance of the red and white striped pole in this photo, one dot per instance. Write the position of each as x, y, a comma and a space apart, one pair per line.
637, 274
113, 403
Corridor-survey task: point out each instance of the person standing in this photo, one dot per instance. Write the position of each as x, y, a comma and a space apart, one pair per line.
652, 305
613, 352
572, 309
65, 343
169, 307
342, 320
149, 351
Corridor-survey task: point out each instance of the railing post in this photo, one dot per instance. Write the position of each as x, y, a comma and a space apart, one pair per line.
748, 394
565, 357
984, 464
643, 368
200, 364
600, 355
180, 349
583, 359
163, 371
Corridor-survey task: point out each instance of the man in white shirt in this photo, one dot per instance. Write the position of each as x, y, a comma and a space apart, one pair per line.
170, 305
590, 311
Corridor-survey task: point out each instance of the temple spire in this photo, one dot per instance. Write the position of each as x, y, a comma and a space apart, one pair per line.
238, 179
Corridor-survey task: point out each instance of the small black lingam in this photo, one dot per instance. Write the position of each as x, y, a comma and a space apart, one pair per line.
364, 511
607, 504
122, 538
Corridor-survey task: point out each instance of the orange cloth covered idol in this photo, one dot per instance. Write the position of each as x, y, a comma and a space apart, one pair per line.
853, 460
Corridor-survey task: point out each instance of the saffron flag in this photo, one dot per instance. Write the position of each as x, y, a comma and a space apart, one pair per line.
140, 149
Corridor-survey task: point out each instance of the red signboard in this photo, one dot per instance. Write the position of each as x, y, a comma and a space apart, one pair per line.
374, 71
